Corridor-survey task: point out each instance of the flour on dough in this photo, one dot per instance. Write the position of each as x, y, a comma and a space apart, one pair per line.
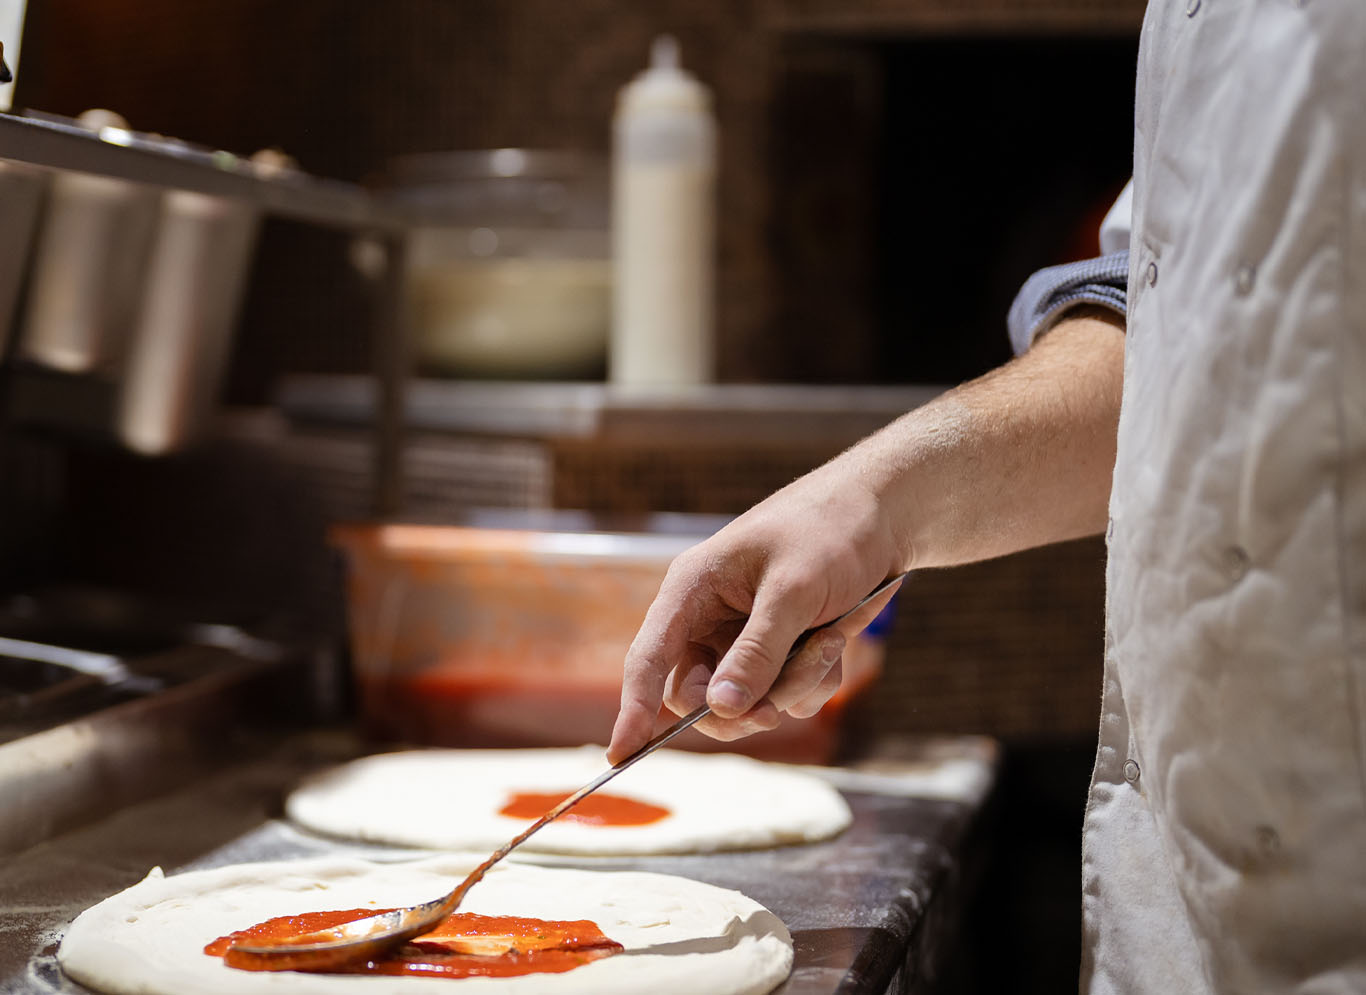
449, 800
680, 936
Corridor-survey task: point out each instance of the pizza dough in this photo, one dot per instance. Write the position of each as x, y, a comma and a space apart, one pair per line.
449, 799
680, 936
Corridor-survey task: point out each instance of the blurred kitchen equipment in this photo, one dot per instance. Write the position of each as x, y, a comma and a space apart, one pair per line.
663, 206
509, 267
134, 293
515, 636
66, 652
187, 313
88, 267
109, 697
21, 197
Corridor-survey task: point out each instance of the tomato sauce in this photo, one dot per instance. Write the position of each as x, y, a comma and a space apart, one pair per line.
598, 809
465, 945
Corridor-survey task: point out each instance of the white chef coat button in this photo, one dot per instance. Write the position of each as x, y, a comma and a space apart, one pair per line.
1131, 771
1245, 278
1191, 7
1109, 529
1152, 274
1237, 562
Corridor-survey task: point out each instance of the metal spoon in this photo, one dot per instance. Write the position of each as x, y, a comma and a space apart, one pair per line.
368, 938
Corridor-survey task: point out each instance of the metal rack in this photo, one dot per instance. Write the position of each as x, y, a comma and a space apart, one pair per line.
281, 192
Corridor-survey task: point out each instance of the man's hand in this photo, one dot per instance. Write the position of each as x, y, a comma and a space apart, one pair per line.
730, 610
1018, 458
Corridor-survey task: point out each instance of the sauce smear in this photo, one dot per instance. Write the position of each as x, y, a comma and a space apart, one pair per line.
465, 945
598, 809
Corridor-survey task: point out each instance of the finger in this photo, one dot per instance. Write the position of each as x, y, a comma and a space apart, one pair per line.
754, 660
648, 662
761, 718
687, 689
822, 693
748, 664
861, 619
803, 706
635, 723
807, 668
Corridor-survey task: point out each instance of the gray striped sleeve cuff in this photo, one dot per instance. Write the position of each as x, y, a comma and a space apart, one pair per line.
1049, 292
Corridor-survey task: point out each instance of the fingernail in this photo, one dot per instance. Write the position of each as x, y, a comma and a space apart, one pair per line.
728, 695
832, 648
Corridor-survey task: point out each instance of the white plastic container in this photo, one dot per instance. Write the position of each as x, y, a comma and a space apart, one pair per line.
509, 272
663, 222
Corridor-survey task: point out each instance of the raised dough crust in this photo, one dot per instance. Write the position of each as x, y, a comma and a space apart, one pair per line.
449, 799
681, 936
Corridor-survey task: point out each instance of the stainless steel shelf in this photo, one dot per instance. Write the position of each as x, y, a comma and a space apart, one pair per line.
60, 144
129, 156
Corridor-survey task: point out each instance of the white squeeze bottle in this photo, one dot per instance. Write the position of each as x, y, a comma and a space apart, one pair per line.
663, 205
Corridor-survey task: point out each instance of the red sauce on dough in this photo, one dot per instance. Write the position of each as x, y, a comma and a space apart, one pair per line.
598, 809
463, 946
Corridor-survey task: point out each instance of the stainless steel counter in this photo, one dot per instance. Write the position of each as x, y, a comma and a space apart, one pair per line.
874, 910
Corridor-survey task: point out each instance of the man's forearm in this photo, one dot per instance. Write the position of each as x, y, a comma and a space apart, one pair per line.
1020, 457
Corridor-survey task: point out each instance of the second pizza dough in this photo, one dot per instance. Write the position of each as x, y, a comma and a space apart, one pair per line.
449, 799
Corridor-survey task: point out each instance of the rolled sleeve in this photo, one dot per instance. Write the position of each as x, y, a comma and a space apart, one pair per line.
1050, 292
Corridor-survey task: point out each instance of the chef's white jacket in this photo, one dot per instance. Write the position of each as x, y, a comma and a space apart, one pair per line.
1225, 846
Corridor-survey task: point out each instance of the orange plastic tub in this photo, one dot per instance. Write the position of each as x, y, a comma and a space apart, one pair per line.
464, 636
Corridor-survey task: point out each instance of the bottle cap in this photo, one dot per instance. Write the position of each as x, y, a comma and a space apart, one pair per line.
665, 85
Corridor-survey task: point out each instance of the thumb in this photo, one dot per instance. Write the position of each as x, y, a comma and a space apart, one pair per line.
754, 660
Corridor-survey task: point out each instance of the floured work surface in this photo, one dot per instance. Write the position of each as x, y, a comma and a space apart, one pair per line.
860, 907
